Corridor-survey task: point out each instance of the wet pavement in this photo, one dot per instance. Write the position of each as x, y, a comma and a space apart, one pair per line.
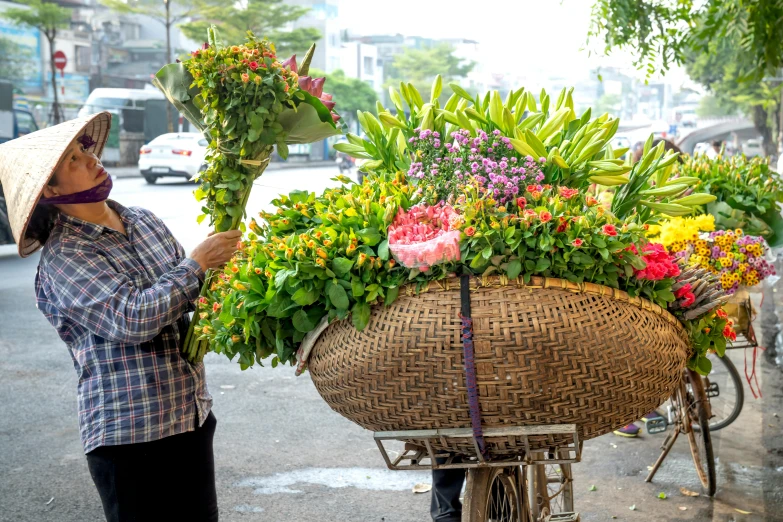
283, 456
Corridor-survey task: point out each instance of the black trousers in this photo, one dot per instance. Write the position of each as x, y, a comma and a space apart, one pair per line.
164, 480
446, 487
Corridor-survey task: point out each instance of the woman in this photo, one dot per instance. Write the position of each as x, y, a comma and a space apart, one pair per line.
116, 286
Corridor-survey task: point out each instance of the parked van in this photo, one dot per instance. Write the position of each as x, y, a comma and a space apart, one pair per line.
110, 99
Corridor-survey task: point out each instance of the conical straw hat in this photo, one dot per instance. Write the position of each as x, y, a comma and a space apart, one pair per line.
27, 164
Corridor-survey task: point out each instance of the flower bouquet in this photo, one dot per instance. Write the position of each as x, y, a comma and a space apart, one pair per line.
245, 102
747, 192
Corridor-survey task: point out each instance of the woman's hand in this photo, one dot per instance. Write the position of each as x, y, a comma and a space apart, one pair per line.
216, 250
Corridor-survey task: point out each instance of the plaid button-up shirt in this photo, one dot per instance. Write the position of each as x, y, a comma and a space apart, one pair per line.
119, 303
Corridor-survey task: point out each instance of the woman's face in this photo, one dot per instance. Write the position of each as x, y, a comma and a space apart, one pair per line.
80, 170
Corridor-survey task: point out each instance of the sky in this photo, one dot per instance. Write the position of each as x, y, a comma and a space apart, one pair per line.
542, 36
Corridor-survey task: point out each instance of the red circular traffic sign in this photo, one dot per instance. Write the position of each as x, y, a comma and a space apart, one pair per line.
60, 61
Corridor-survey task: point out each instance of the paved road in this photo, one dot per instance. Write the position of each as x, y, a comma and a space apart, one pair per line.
283, 456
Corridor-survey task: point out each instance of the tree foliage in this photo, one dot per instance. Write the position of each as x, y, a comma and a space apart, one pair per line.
662, 32
266, 18
47, 18
723, 69
15, 60
421, 66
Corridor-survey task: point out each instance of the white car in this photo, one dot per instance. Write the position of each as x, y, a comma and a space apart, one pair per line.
176, 154
752, 148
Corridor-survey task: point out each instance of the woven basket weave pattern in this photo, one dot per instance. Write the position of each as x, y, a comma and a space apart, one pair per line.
591, 356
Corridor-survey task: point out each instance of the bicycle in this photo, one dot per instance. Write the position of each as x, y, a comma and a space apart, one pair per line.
534, 487
689, 407
724, 385
725, 392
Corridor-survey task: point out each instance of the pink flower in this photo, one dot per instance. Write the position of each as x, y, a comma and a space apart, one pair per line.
567, 193
291, 64
577, 242
470, 231
545, 216
609, 230
245, 78
315, 86
253, 66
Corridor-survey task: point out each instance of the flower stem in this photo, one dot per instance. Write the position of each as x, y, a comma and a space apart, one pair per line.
194, 348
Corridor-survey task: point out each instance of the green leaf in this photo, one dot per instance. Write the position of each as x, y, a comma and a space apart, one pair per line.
662, 495
720, 346
174, 81
391, 295
514, 268
360, 315
487, 252
593, 488
370, 236
304, 297
383, 250
279, 306
357, 287
542, 264
341, 266
338, 296
302, 322
310, 122
704, 366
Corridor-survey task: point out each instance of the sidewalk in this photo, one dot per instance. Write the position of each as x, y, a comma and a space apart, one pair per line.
133, 172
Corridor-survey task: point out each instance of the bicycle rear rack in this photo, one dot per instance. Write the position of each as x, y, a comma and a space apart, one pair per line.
420, 458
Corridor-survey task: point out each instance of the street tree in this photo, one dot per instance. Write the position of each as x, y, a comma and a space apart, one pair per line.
15, 60
48, 18
168, 12
729, 46
662, 32
421, 66
724, 70
710, 106
265, 18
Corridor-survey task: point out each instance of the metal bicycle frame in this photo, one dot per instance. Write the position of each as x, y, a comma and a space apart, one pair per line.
413, 458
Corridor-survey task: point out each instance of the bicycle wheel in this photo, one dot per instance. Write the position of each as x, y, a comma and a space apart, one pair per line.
695, 402
550, 490
491, 495
727, 405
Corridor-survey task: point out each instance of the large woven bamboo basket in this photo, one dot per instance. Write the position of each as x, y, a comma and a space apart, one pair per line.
546, 352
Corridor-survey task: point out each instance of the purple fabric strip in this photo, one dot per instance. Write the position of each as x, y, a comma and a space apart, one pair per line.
470, 383
95, 194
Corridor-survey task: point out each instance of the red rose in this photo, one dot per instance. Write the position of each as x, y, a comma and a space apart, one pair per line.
577, 242
253, 66
470, 231
521, 202
545, 216
609, 230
